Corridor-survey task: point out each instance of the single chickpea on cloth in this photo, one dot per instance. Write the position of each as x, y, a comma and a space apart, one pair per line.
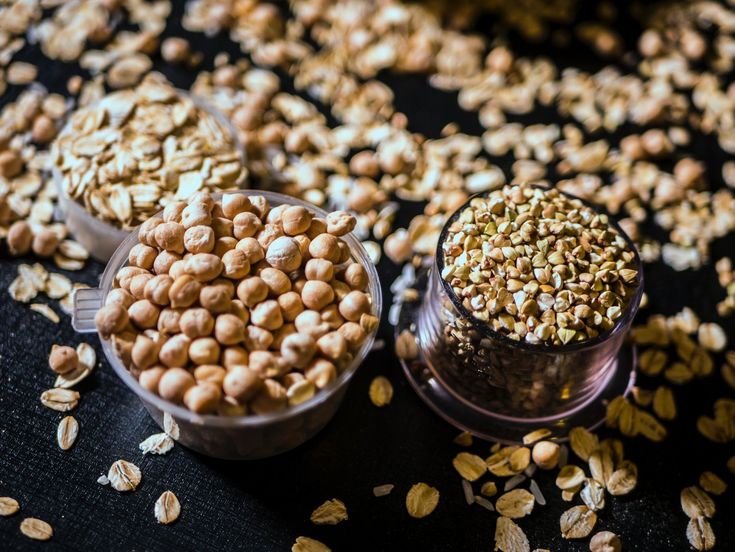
233, 307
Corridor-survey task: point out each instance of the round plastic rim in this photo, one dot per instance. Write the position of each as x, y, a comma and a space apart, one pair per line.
120, 257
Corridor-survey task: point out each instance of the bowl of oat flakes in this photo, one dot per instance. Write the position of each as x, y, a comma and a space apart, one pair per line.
238, 318
123, 158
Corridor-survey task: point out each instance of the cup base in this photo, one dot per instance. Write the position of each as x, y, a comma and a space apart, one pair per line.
495, 427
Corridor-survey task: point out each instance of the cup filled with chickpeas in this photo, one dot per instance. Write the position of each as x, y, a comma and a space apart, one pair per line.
237, 318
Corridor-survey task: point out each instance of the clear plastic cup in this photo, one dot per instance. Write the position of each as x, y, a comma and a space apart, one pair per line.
101, 238
241, 437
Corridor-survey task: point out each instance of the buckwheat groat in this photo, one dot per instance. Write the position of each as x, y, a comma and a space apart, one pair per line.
232, 307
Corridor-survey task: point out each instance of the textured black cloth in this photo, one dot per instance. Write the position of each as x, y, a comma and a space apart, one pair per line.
264, 505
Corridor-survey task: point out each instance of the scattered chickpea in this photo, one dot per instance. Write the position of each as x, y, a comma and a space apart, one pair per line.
545, 455
19, 238
229, 329
111, 319
340, 223
45, 243
284, 254
63, 359
175, 49
203, 398
174, 383
144, 314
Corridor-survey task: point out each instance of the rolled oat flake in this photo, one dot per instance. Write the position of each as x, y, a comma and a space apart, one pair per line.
577, 522
124, 476
421, 500
8, 506
36, 529
167, 508
509, 537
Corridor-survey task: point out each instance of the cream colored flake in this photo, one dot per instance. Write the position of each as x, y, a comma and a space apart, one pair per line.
421, 500
66, 434
167, 508
62, 400
46, 311
330, 512
124, 476
381, 391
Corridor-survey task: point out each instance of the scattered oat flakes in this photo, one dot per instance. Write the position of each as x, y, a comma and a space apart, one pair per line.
663, 403
305, 544
605, 541
383, 490
583, 442
469, 466
509, 537
624, 479
406, 347
489, 488
421, 500
569, 477
158, 443
67, 432
124, 476
167, 508
536, 435
712, 483
62, 400
515, 504
699, 534
464, 439
712, 337
577, 522
331, 512
170, 426
695, 503
8, 506
36, 529
45, 310
381, 391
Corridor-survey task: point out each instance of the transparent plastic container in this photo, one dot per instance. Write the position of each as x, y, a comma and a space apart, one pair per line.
102, 238
241, 437
500, 388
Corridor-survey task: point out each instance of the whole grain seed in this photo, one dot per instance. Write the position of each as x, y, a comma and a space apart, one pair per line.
67, 432
381, 391
62, 400
696, 503
383, 490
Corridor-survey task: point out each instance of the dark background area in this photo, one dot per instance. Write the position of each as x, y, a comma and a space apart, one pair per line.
264, 505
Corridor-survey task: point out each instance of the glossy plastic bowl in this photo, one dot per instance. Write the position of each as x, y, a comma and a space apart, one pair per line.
241, 437
101, 238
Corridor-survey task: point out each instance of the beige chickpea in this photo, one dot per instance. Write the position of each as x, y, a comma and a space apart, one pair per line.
257, 339
211, 373
291, 305
310, 323
196, 323
143, 314
252, 291
298, 349
151, 377
122, 343
259, 205
216, 299
170, 236
217, 211
142, 256
240, 310
271, 397
354, 305
164, 261
223, 227
45, 242
241, 383
317, 227
126, 274
266, 364
137, 285
277, 281
145, 352
284, 254
19, 238
223, 245
545, 455
178, 268
320, 372
196, 214
63, 359
267, 315
355, 276
43, 129
175, 351
303, 242
234, 204
332, 345
246, 225
172, 211
282, 333
203, 398
174, 383
295, 220
316, 294
235, 264
341, 290
168, 321
121, 297
229, 329
111, 319
234, 356
199, 239
354, 334
157, 289
268, 235
325, 246
364, 163
254, 252
292, 378
146, 231
203, 197
175, 49
331, 316
204, 266
340, 223
227, 285
274, 215
319, 269
204, 350
184, 291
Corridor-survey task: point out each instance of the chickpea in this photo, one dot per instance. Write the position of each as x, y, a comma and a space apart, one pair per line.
354, 334
267, 314
317, 227
398, 247
172, 211
45, 242
321, 372
284, 254
325, 246
241, 383
175, 351
170, 236
332, 345
204, 350
298, 349
204, 266
295, 220
111, 319
168, 321
137, 285
291, 305
268, 235
203, 197
229, 329
142, 256
274, 215
196, 214
196, 323
120, 296
126, 274
164, 261
319, 269
331, 316
19, 238
252, 249
145, 352
246, 225
123, 346
157, 289
341, 290
260, 205
234, 204
216, 298
356, 276
223, 245
63, 359
234, 356
211, 373
241, 311
277, 281
282, 333
257, 339
271, 397
174, 383
199, 239
252, 291
364, 164
146, 231
43, 129
223, 227
354, 305
236, 264
203, 398
545, 455
340, 223
316, 294
266, 364
150, 378
310, 323
344, 252
303, 242
174, 49
144, 314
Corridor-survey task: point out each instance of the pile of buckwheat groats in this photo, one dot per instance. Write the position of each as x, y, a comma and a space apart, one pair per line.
317, 120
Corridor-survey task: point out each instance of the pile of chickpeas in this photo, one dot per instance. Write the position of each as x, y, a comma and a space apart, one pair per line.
233, 307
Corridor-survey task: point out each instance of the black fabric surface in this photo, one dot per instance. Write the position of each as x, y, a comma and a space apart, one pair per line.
264, 505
